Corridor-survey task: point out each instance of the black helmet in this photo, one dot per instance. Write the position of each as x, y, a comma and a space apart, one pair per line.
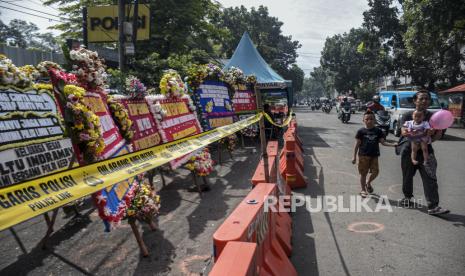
344, 99
376, 98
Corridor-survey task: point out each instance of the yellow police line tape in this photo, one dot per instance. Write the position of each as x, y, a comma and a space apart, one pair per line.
285, 123
24, 201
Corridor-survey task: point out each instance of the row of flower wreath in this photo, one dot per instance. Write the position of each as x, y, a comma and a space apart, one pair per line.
141, 201
89, 74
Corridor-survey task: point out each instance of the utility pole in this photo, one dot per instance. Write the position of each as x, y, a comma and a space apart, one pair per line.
84, 27
121, 38
135, 23
261, 124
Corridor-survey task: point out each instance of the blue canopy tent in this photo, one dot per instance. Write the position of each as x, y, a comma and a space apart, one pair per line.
248, 59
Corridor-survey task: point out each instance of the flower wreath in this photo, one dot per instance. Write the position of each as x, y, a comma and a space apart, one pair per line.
112, 220
144, 203
30, 71
230, 141
234, 76
88, 68
11, 75
121, 116
135, 88
45, 66
86, 125
197, 74
171, 84
201, 163
140, 202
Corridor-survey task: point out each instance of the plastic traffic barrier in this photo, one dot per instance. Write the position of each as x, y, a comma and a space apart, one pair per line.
237, 259
259, 175
250, 223
289, 168
284, 232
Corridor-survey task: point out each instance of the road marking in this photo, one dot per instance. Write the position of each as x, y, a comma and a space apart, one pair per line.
183, 266
346, 173
353, 227
391, 188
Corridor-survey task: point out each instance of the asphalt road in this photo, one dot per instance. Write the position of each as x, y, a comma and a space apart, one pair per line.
401, 242
410, 242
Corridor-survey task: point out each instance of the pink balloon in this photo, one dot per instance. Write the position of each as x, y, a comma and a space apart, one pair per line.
441, 119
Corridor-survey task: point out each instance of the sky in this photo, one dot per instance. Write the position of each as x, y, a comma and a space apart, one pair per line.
308, 21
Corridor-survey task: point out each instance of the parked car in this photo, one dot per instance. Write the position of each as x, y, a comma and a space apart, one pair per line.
398, 103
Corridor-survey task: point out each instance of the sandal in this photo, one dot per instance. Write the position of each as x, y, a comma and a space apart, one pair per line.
370, 189
363, 194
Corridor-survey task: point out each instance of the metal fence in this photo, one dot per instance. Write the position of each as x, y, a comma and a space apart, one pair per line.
21, 56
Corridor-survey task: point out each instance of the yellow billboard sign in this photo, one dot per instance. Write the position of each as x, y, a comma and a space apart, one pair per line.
102, 23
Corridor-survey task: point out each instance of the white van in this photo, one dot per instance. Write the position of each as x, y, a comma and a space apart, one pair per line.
398, 103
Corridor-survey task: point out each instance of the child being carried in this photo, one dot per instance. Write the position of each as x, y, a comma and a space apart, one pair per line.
417, 130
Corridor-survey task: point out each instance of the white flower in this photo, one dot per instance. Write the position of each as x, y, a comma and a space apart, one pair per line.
100, 197
157, 107
106, 211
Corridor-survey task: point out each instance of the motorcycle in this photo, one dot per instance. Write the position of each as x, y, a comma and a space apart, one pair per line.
326, 108
312, 106
383, 121
317, 106
345, 114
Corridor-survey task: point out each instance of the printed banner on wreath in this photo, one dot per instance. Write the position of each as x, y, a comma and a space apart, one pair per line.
31, 136
244, 100
111, 135
110, 201
176, 119
216, 105
24, 163
28, 116
146, 132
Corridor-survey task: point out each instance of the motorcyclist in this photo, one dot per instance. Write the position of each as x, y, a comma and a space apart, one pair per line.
374, 105
345, 103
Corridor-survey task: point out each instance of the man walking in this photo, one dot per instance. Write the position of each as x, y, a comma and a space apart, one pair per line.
422, 100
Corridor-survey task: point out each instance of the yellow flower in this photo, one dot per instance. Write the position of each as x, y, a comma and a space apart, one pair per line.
74, 90
79, 126
43, 86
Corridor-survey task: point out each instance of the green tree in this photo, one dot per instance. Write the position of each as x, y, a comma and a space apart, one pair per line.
312, 88
25, 35
355, 57
3, 31
181, 33
325, 79
46, 41
19, 32
435, 31
296, 75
